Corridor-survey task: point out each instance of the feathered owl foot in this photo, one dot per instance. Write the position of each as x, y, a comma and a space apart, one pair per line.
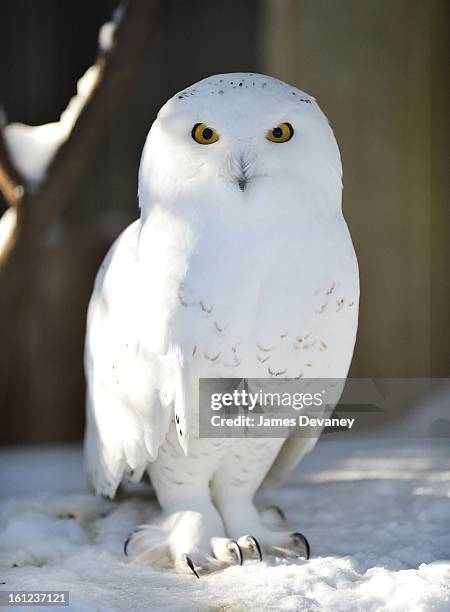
274, 534
226, 552
295, 544
185, 541
282, 543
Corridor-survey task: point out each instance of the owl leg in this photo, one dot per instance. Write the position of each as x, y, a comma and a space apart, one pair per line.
190, 534
191, 541
247, 520
233, 489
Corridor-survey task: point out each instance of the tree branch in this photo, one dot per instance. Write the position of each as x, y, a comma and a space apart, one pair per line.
118, 70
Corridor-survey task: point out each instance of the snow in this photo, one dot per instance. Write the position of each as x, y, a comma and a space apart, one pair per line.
107, 31
32, 148
376, 512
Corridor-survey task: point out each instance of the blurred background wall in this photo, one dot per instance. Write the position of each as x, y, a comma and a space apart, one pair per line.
378, 69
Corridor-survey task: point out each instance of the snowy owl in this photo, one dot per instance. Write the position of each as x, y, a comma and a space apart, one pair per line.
240, 265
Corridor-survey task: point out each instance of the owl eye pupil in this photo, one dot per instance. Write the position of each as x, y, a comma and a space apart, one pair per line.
277, 132
203, 134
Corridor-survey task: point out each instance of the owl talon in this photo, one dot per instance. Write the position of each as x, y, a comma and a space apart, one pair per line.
250, 544
274, 518
237, 550
129, 538
278, 511
299, 538
127, 541
256, 546
190, 565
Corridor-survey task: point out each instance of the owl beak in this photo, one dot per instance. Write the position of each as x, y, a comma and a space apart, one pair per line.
242, 178
242, 182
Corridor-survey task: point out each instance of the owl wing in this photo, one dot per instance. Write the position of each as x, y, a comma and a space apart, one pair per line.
134, 381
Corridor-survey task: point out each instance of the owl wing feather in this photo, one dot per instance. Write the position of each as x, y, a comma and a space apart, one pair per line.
134, 378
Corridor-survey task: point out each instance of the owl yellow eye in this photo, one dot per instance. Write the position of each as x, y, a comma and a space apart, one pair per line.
281, 133
203, 134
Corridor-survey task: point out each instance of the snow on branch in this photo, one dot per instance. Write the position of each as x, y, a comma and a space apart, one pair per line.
41, 166
118, 70
32, 148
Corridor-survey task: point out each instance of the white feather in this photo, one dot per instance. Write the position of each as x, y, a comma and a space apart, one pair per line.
213, 281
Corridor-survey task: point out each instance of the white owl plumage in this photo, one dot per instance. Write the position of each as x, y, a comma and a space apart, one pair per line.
241, 265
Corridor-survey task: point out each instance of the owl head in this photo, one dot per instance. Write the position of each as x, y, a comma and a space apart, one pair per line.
242, 140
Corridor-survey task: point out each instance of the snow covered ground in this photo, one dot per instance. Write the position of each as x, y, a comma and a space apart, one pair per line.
376, 512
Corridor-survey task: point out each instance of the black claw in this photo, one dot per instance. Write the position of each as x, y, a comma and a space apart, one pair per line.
279, 511
125, 544
237, 549
191, 566
129, 538
255, 543
299, 537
